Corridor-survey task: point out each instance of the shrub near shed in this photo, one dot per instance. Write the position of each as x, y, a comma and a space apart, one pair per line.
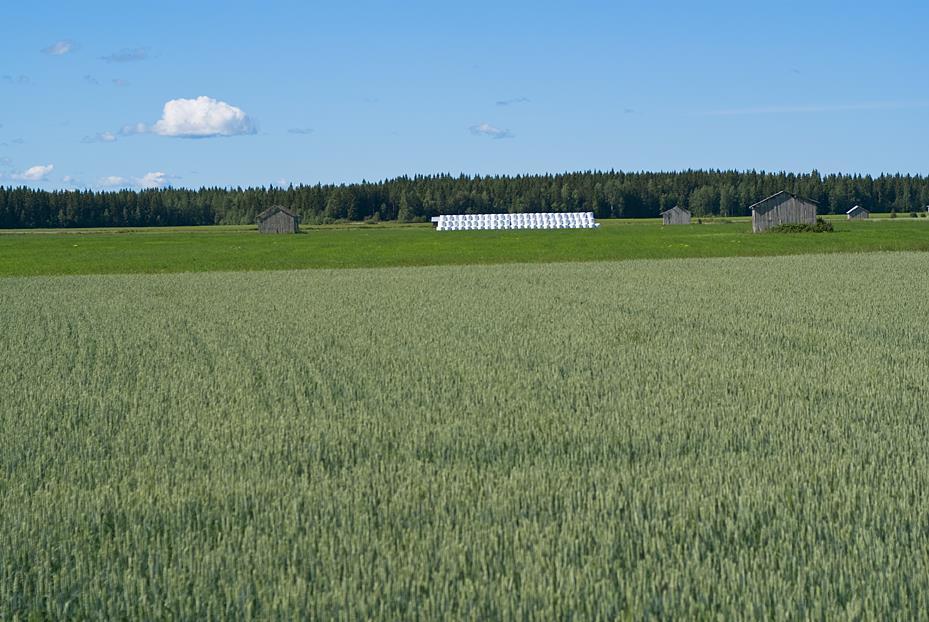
821, 226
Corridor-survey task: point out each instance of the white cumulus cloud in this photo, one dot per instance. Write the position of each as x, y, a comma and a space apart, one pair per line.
153, 180
34, 173
203, 117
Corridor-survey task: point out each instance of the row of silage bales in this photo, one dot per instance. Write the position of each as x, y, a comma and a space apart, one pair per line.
545, 220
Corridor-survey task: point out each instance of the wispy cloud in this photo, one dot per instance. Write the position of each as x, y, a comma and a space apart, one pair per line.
300, 130
113, 181
100, 137
133, 129
20, 80
628, 110
120, 82
34, 173
59, 48
486, 129
514, 100
157, 179
126, 55
6, 161
814, 108
89, 79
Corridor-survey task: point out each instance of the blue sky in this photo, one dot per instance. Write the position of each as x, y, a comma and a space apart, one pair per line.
116, 94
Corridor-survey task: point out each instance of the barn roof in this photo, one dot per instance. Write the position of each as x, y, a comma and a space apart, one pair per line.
778, 195
676, 207
856, 208
271, 211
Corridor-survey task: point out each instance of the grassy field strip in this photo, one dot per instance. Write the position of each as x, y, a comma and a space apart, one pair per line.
420, 245
735, 438
609, 222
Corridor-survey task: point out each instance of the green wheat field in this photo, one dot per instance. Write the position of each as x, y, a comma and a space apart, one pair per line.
697, 438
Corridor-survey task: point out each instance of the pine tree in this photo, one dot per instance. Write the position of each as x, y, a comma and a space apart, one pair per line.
404, 213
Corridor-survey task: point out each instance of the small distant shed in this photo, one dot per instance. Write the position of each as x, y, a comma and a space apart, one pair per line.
780, 209
278, 219
675, 216
857, 213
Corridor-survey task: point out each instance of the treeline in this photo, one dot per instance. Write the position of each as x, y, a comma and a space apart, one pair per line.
410, 199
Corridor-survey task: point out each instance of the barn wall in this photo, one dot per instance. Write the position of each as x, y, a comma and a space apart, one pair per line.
676, 217
278, 223
788, 211
858, 215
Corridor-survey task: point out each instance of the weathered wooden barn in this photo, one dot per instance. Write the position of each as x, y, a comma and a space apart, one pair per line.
675, 216
278, 219
781, 209
857, 213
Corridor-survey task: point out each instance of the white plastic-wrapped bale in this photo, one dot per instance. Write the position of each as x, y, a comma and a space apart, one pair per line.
547, 220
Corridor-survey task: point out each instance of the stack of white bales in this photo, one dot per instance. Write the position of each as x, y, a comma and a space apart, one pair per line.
469, 222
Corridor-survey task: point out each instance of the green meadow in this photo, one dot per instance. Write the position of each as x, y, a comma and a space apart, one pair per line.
202, 249
725, 438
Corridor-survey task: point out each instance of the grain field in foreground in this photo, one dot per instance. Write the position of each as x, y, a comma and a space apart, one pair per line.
687, 438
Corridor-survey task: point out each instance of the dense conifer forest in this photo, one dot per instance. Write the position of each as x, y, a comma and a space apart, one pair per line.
410, 199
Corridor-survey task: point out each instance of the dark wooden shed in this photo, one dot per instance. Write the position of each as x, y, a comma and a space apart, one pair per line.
781, 209
278, 219
857, 213
675, 216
